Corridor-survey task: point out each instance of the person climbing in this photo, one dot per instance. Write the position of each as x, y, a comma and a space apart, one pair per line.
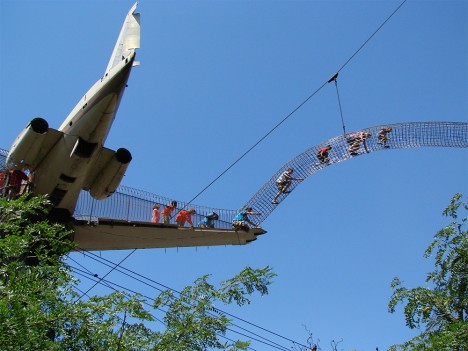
283, 183
209, 220
355, 139
322, 154
185, 216
382, 136
155, 215
241, 219
167, 212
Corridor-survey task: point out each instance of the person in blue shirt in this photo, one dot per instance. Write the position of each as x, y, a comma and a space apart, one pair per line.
241, 219
209, 220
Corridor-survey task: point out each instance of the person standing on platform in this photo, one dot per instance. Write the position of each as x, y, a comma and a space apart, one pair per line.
155, 214
167, 212
209, 220
185, 216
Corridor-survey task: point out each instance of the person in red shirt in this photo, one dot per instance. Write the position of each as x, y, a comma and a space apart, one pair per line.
322, 154
3, 174
3, 182
14, 185
167, 212
185, 216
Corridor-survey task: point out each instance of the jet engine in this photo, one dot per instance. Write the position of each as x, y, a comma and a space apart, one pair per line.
109, 177
26, 146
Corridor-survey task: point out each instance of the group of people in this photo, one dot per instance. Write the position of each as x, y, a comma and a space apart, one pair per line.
14, 183
283, 183
355, 139
240, 221
182, 217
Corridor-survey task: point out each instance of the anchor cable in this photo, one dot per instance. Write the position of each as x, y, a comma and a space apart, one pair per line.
298, 107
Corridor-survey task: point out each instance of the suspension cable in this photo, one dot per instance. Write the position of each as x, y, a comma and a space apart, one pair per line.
334, 79
370, 37
256, 144
297, 108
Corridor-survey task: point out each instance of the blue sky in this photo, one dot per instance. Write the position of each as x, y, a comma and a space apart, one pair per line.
216, 76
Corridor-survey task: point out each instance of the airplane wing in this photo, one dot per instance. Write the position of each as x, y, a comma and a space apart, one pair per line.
52, 137
112, 234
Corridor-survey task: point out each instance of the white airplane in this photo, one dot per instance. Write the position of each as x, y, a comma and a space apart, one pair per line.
73, 158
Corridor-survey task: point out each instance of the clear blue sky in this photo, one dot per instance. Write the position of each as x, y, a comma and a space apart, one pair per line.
215, 76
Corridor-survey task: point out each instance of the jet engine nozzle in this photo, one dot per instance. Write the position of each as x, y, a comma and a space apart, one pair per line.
26, 146
123, 156
109, 177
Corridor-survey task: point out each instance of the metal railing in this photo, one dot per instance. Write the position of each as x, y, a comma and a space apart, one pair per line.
136, 205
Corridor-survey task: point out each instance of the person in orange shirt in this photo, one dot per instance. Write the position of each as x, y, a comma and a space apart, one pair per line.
167, 212
185, 216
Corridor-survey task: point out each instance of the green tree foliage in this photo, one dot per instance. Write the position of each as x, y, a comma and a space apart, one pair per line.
41, 309
441, 308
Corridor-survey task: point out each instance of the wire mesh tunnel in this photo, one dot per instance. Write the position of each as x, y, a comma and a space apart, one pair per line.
402, 135
135, 205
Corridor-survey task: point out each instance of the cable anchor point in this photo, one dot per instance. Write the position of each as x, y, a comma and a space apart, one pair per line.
333, 79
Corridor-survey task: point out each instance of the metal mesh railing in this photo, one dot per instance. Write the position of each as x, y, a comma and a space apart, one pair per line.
136, 205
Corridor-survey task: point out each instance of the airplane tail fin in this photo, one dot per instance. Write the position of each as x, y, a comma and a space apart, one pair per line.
129, 39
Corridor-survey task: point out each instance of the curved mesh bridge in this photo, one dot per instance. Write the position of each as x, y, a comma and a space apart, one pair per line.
130, 204
402, 136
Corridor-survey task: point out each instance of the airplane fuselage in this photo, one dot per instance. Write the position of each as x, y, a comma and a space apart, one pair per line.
72, 158
63, 173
